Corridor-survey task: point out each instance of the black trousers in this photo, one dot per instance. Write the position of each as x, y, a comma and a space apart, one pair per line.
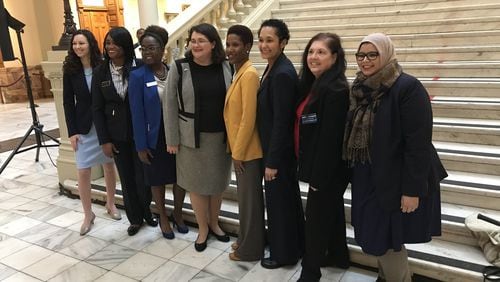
136, 195
285, 216
325, 232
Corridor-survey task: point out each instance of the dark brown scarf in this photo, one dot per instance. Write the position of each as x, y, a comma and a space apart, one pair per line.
365, 96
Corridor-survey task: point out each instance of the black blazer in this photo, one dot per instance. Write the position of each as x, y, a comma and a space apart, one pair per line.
320, 160
276, 100
111, 113
404, 161
77, 103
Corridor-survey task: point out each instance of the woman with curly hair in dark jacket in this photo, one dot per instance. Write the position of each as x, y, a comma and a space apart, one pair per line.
83, 56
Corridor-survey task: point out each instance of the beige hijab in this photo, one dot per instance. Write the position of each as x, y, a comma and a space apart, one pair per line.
384, 46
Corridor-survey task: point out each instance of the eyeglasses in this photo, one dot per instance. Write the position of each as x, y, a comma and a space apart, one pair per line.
370, 56
149, 48
199, 42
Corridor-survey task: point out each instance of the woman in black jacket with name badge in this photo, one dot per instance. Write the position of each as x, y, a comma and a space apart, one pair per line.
319, 131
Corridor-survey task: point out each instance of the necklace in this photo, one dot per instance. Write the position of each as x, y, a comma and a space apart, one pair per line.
162, 74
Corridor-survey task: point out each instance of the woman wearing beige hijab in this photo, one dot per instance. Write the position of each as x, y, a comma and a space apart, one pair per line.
396, 170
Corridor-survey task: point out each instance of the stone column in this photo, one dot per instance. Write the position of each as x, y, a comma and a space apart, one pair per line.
148, 12
66, 166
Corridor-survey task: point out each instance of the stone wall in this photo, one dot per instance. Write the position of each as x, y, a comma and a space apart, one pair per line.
13, 89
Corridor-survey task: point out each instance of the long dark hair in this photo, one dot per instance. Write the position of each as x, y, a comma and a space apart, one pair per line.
218, 54
72, 63
308, 82
121, 37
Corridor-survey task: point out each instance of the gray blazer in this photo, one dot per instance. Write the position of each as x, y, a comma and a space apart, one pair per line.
179, 109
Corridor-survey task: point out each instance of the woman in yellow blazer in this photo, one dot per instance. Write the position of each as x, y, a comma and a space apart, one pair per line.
243, 142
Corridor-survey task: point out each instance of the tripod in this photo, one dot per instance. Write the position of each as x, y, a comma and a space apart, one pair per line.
36, 126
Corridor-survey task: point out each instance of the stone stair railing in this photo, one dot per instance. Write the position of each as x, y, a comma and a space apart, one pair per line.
219, 13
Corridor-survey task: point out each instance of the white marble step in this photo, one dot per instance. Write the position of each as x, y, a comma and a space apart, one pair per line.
466, 69
401, 27
334, 8
297, 4
466, 109
435, 39
474, 158
385, 15
476, 131
474, 53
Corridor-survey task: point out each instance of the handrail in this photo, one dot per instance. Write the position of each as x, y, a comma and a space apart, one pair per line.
219, 13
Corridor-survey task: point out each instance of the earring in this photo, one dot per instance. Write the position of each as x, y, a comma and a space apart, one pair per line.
248, 51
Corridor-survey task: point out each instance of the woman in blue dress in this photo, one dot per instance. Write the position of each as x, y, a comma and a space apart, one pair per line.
147, 88
83, 56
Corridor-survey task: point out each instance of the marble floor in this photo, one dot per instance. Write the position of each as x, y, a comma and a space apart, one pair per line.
40, 241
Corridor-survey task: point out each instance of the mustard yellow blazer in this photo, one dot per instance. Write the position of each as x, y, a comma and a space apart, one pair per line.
240, 111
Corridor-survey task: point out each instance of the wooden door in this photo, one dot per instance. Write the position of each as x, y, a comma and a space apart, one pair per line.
99, 19
97, 22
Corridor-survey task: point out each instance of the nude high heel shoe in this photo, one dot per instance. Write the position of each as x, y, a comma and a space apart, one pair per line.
85, 228
114, 215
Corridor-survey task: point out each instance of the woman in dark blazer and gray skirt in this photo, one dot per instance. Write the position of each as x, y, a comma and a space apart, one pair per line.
276, 100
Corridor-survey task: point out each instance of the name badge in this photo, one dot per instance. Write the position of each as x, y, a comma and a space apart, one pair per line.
309, 118
152, 83
106, 83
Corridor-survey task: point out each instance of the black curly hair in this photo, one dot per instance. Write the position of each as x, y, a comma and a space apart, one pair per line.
279, 26
72, 63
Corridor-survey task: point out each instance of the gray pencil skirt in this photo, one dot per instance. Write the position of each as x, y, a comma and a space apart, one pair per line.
205, 170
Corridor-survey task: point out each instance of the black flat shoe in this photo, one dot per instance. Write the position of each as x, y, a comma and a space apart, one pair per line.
269, 263
133, 229
223, 238
167, 235
200, 247
151, 221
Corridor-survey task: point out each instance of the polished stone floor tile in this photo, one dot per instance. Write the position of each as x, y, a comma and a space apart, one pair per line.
38, 232
166, 248
48, 213
40, 193
20, 277
7, 216
85, 247
189, 256
26, 257
50, 266
224, 267
111, 231
172, 271
258, 273
111, 256
59, 240
81, 271
146, 236
203, 276
29, 207
14, 202
6, 271
10, 245
114, 277
358, 275
67, 219
139, 265
18, 225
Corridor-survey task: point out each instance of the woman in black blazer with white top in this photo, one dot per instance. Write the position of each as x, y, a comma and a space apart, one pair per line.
114, 125
276, 100
83, 56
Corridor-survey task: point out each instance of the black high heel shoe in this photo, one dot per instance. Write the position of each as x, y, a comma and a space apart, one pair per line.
181, 229
223, 238
200, 247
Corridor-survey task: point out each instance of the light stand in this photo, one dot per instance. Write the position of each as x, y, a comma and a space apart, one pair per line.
36, 126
